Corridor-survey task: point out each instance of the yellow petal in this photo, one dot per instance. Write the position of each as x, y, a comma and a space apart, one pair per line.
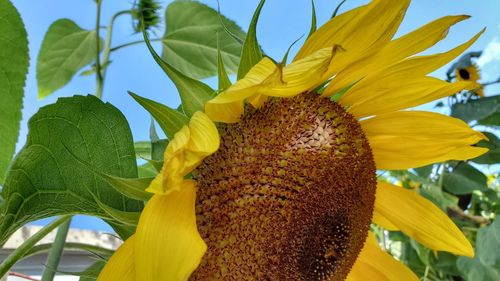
375, 264
409, 139
167, 243
396, 50
185, 152
420, 219
225, 112
390, 77
120, 267
264, 73
257, 101
304, 74
369, 26
389, 96
250, 84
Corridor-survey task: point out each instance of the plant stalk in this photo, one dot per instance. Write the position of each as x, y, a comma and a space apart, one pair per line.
107, 49
133, 43
98, 74
18, 253
56, 251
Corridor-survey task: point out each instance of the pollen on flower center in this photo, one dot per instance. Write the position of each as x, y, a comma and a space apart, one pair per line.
288, 196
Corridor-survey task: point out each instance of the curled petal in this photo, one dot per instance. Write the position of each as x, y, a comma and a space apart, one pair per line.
185, 152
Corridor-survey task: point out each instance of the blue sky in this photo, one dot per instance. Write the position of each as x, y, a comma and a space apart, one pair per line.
281, 22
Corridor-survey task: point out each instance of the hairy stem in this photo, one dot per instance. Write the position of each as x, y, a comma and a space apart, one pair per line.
19, 252
56, 251
133, 43
98, 74
107, 48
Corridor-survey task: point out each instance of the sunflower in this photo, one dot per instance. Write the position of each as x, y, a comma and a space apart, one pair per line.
284, 187
470, 73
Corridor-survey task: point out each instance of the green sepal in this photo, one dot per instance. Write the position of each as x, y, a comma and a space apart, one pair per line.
285, 57
338, 8
313, 19
130, 218
251, 53
170, 120
335, 97
194, 94
224, 82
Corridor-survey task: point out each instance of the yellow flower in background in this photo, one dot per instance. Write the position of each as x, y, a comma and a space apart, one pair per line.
470, 73
291, 191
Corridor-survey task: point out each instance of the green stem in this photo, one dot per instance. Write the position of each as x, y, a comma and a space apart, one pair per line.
426, 273
56, 251
107, 47
133, 43
19, 252
98, 74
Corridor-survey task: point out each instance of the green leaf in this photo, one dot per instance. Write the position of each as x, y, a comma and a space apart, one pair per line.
14, 60
446, 263
438, 196
251, 53
424, 171
488, 244
493, 155
464, 179
194, 94
46, 180
65, 49
493, 120
474, 270
170, 120
190, 42
476, 109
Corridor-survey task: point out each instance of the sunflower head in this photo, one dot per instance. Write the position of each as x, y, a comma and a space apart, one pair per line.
288, 196
289, 191
470, 73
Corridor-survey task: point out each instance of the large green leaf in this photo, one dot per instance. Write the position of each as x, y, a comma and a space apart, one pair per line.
477, 109
486, 264
488, 244
464, 179
493, 155
190, 40
46, 178
14, 59
65, 49
474, 270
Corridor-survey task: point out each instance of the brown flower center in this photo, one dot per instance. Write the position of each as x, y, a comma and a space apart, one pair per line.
464, 74
288, 196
